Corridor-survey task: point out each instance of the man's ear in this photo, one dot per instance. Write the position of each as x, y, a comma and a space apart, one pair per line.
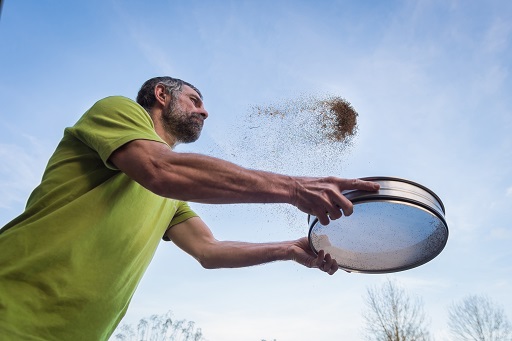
161, 94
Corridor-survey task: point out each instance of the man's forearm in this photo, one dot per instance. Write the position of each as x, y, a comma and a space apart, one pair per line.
205, 179
199, 178
194, 237
230, 254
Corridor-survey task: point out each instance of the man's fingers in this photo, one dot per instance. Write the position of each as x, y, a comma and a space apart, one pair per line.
345, 205
341, 204
336, 209
320, 259
362, 185
329, 265
323, 218
323, 197
334, 212
332, 268
325, 263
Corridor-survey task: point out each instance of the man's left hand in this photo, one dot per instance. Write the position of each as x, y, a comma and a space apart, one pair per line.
302, 254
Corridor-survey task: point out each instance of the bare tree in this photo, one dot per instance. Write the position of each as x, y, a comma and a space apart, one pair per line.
478, 318
391, 315
159, 328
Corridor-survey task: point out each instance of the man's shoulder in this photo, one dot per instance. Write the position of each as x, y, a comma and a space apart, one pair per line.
116, 100
117, 104
111, 112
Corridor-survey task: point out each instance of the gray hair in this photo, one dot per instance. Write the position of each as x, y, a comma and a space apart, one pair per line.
146, 96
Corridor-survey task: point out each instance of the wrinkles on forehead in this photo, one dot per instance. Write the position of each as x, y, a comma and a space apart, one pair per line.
191, 90
188, 91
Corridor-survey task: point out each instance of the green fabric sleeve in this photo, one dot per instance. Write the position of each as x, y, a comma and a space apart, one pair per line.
111, 123
183, 212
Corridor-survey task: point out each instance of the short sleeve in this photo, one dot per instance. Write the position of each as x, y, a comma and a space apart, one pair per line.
183, 212
111, 123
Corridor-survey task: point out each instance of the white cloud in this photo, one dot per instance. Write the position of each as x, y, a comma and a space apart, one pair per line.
142, 37
501, 233
498, 36
20, 170
151, 51
509, 191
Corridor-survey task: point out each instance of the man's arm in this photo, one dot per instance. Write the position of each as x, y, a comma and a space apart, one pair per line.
195, 238
204, 179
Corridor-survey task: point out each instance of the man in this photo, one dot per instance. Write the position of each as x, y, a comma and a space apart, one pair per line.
70, 263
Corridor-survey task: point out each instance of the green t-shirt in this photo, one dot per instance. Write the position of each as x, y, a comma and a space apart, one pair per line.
70, 263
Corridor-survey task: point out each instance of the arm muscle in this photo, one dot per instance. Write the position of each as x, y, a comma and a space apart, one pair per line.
194, 237
198, 178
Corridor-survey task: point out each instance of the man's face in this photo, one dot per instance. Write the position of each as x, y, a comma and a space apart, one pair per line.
184, 117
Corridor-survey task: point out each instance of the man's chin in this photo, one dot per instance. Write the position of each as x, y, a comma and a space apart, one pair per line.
189, 139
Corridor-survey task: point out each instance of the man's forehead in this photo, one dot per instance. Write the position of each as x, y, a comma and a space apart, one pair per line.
187, 90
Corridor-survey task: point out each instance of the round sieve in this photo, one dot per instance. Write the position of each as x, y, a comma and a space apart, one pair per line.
397, 228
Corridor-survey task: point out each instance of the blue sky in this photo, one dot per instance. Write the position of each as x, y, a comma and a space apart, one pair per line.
431, 81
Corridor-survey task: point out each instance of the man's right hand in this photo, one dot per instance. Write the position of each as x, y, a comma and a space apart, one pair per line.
322, 197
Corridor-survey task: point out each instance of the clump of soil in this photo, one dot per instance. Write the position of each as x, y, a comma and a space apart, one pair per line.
334, 117
340, 119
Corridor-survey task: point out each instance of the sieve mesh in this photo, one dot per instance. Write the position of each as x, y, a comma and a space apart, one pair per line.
381, 236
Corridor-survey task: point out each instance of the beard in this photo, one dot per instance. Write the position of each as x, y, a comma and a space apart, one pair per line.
184, 126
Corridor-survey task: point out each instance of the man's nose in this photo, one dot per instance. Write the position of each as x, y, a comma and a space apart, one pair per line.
203, 113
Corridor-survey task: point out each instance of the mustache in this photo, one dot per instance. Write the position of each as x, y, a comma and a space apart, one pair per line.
197, 116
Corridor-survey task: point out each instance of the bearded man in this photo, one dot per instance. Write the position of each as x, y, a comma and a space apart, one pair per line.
114, 187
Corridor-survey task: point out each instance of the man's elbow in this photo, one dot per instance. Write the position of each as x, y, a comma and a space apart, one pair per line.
208, 263
205, 254
210, 258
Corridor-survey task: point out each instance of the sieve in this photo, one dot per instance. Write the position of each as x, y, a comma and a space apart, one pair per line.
399, 227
